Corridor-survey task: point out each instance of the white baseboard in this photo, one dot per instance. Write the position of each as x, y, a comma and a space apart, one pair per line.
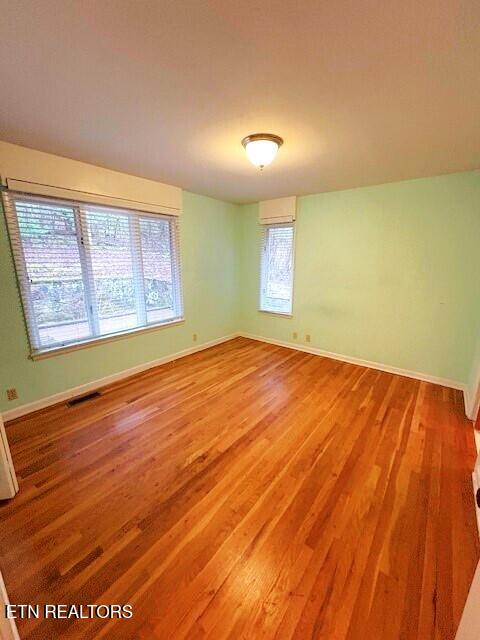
444, 382
23, 409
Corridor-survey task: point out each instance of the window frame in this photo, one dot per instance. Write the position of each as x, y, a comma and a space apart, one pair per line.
80, 212
265, 229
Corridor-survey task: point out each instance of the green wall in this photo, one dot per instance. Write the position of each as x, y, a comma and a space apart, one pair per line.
389, 274
208, 234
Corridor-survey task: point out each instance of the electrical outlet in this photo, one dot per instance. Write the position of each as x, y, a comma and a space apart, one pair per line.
194, 337
307, 338
295, 335
12, 394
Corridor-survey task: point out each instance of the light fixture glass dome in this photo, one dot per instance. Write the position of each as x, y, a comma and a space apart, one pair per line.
261, 148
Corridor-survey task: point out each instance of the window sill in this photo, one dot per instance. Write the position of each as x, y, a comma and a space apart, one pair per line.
276, 313
57, 351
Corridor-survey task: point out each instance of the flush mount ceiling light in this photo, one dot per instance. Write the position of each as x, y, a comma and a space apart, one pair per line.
261, 148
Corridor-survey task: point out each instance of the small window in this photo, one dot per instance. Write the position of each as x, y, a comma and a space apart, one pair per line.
276, 270
87, 271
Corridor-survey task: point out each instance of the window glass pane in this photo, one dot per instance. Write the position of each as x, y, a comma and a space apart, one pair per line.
109, 250
157, 269
277, 269
87, 271
50, 248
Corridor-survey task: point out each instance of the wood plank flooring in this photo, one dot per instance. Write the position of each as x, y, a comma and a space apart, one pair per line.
247, 492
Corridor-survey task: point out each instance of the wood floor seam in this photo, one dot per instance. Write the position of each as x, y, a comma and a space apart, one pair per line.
247, 491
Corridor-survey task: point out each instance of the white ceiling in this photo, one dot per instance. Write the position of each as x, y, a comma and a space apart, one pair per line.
363, 91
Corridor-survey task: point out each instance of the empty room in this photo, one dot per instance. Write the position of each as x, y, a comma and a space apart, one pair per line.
239, 320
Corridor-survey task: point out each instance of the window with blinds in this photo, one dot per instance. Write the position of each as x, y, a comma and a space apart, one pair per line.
276, 269
87, 271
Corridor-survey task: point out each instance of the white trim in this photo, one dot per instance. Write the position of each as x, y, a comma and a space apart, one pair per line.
476, 487
472, 404
24, 186
17, 412
14, 206
476, 476
22, 410
469, 627
110, 337
8, 628
63, 175
476, 435
468, 403
476, 407
277, 210
453, 384
8, 478
264, 241
276, 313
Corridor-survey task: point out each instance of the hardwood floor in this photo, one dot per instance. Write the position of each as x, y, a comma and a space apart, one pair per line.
246, 492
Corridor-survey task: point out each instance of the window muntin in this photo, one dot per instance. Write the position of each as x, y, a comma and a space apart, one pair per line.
276, 269
160, 290
109, 247
88, 271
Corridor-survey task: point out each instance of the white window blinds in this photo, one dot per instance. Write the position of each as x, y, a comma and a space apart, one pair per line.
276, 269
88, 271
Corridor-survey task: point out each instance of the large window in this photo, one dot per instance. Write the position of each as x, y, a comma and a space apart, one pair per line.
276, 270
88, 271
